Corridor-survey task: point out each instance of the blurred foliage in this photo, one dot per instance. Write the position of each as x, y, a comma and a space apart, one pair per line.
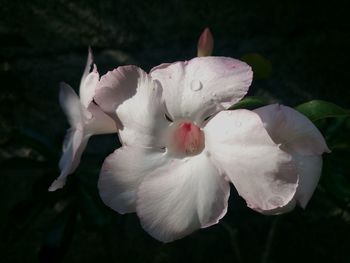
262, 67
298, 53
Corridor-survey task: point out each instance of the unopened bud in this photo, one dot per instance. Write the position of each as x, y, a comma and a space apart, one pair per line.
205, 44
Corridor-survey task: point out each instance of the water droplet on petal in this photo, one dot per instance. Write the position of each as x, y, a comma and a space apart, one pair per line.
213, 94
196, 85
238, 123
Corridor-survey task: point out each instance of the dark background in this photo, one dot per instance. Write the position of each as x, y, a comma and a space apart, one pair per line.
303, 54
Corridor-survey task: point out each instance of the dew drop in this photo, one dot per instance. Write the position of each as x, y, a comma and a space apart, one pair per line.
196, 85
238, 124
213, 94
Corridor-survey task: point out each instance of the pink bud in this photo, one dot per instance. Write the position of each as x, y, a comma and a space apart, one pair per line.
205, 44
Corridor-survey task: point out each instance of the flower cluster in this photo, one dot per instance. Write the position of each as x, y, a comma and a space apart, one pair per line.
182, 147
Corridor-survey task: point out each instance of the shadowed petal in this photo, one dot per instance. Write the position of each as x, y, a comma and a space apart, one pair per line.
88, 81
143, 116
88, 87
292, 129
100, 123
117, 86
299, 137
73, 147
70, 104
265, 176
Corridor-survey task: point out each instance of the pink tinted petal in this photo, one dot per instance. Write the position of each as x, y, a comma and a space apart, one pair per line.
265, 176
117, 86
281, 210
100, 123
202, 86
181, 197
121, 174
88, 65
302, 140
293, 130
88, 87
309, 168
88, 81
142, 116
70, 104
73, 147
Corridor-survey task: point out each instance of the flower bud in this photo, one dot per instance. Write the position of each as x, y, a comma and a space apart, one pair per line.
205, 44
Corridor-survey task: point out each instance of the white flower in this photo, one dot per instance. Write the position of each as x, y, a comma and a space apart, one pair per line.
181, 147
85, 119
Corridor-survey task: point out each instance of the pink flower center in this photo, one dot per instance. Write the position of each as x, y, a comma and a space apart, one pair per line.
186, 138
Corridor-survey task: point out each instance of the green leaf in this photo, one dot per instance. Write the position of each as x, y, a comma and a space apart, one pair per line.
261, 66
319, 109
250, 103
336, 177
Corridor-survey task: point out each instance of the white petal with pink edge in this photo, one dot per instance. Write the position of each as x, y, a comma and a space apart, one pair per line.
292, 129
201, 87
117, 86
180, 197
299, 137
265, 176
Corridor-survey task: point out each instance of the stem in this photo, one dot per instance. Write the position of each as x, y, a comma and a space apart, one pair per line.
234, 240
269, 240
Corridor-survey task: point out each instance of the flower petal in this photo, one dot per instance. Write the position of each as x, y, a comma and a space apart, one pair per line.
265, 176
117, 86
181, 197
202, 86
293, 130
143, 116
89, 63
100, 123
88, 81
299, 137
70, 104
121, 174
88, 87
309, 168
73, 147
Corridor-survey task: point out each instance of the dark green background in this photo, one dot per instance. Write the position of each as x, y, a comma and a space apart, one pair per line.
45, 42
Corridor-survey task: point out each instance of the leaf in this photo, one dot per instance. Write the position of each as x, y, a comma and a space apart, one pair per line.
319, 109
336, 179
261, 66
250, 103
